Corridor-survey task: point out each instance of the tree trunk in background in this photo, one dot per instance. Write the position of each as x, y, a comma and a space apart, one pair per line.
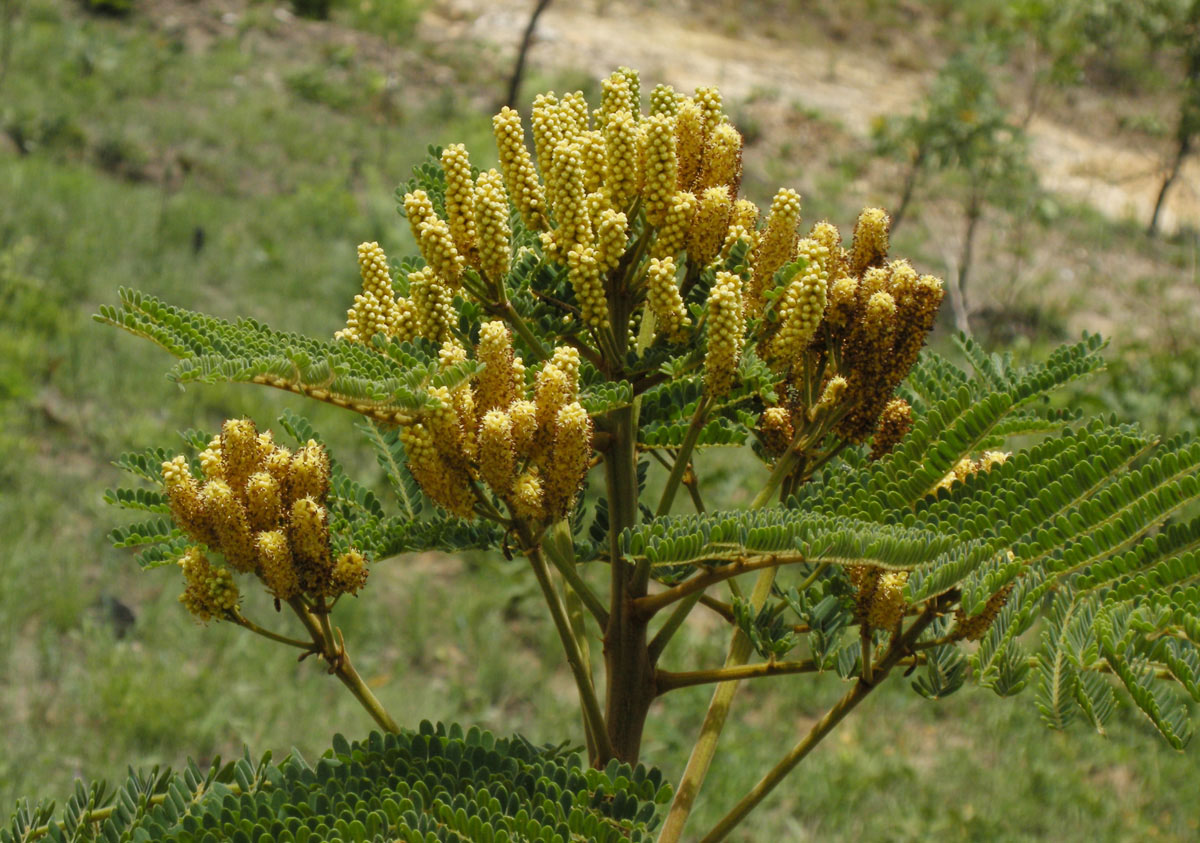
910, 185
518, 73
1189, 117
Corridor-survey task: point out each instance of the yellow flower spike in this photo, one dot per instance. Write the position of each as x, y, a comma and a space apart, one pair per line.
991, 459
843, 303
349, 574
569, 458
775, 428
573, 111
672, 234
434, 239
308, 474
887, 601
229, 523
830, 239
689, 142
520, 176
497, 385
524, 426
710, 225
612, 236
709, 100
491, 226
722, 164
737, 234
803, 306
974, 627
369, 316
460, 201
308, 537
777, 242
448, 487
868, 355
662, 294
264, 501
402, 322
552, 391
462, 397
622, 155
877, 279
526, 497
831, 396
616, 96
745, 214
879, 319
279, 465
497, 457
449, 430
570, 207
726, 333
894, 423
664, 100
566, 360
593, 158
633, 79
434, 305
276, 567
183, 495
546, 123
210, 459
210, 593
241, 452
583, 271
870, 244
660, 168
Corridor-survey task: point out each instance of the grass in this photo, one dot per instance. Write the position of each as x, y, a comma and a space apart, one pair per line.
236, 177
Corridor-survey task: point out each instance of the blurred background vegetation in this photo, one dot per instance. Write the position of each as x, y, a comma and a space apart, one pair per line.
229, 155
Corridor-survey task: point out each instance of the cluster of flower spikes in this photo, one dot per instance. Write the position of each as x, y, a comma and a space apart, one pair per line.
264, 508
879, 595
860, 320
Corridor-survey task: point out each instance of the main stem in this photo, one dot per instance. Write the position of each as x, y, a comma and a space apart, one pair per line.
627, 663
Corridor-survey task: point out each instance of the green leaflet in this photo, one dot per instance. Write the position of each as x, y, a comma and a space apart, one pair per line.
437, 783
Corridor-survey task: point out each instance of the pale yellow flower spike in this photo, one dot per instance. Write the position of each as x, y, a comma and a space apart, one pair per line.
583, 271
552, 391
615, 96
264, 501
460, 202
434, 305
803, 306
524, 426
229, 522
660, 169
570, 208
834, 389
308, 474
622, 159
449, 431
370, 314
520, 176
527, 496
726, 333
870, 244
722, 163
183, 495
745, 214
433, 239
887, 602
710, 225
308, 535
276, 567
497, 457
662, 294
777, 243
569, 458
843, 303
776, 428
545, 121
403, 324
448, 488
241, 453
611, 238
349, 574
709, 100
566, 360
573, 109
664, 100
497, 385
491, 226
689, 142
594, 158
672, 234
210, 593
462, 397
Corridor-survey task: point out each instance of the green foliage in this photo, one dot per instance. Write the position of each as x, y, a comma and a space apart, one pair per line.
438, 783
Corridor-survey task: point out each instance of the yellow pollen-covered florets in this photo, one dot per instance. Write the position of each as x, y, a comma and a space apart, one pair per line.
498, 384
870, 244
183, 495
497, 457
460, 201
570, 202
593, 159
843, 303
241, 451
617, 94
887, 601
229, 523
622, 159
210, 459
308, 474
709, 100
552, 391
664, 100
446, 485
372, 311
775, 427
777, 243
349, 574
566, 360
894, 422
974, 627
569, 459
583, 271
308, 535
611, 238
689, 142
527, 495
433, 239
264, 501
722, 163
726, 333
546, 123
803, 306
491, 226
662, 294
524, 425
573, 112
434, 305
524, 188
673, 232
275, 564
210, 592
660, 169
710, 225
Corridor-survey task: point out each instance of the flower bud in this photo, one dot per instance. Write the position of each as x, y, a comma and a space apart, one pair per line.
460, 202
726, 333
349, 574
520, 177
497, 458
569, 459
870, 245
275, 565
662, 294
210, 593
710, 225
434, 239
677, 222
308, 537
